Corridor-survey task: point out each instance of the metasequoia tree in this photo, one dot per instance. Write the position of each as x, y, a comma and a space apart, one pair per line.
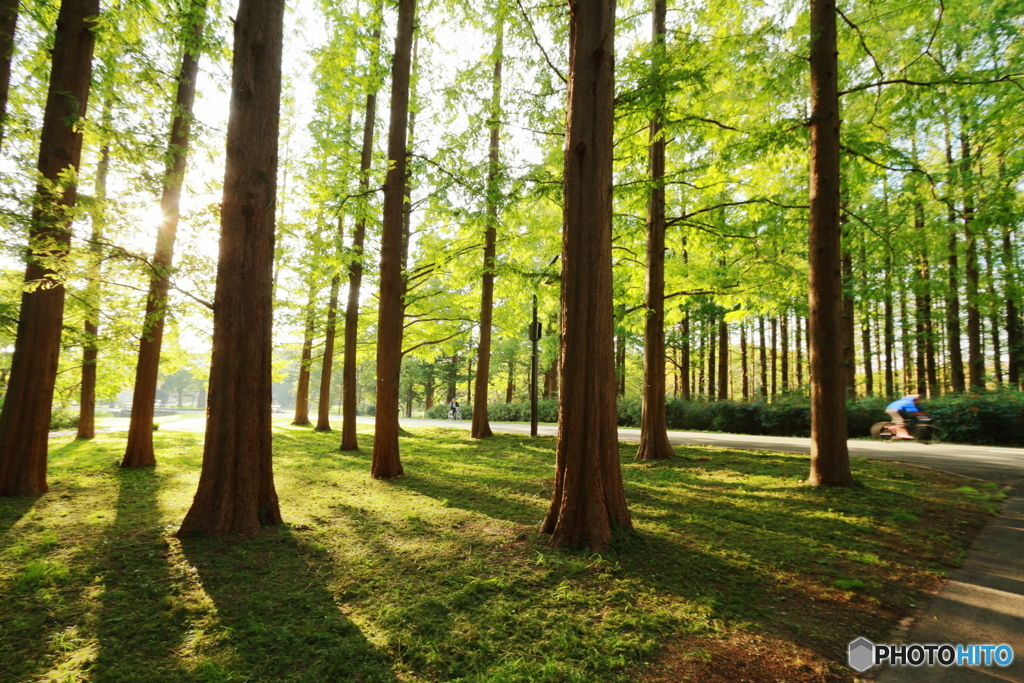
588, 500
386, 460
323, 417
236, 487
90, 350
480, 428
355, 279
139, 450
830, 459
8, 25
654, 443
25, 417
306, 359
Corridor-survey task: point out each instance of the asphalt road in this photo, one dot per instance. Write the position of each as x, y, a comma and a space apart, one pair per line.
1001, 465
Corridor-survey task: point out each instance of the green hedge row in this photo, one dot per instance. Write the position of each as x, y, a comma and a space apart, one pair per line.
990, 418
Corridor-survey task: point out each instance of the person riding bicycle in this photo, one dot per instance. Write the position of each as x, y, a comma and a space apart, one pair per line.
453, 409
900, 410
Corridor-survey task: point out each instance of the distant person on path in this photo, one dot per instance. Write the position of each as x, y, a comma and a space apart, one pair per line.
453, 409
907, 407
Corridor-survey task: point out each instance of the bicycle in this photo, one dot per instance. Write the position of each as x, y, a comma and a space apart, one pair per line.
920, 429
455, 414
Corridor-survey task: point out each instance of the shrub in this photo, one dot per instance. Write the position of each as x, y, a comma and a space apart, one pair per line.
62, 419
982, 418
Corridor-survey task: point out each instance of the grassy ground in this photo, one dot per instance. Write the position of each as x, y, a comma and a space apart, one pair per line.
737, 570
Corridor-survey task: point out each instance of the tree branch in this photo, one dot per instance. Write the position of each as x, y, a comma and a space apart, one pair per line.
432, 341
536, 42
1005, 78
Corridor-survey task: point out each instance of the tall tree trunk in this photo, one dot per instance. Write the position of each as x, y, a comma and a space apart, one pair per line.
830, 459
302, 386
620, 352
910, 383
323, 415
702, 352
386, 461
975, 359
849, 328
869, 374
956, 363
684, 356
743, 361
236, 486
25, 416
764, 358
349, 441
588, 500
511, 387
428, 389
784, 348
775, 357
890, 332
799, 354
993, 310
8, 25
139, 449
723, 360
481, 428
712, 344
927, 328
921, 387
1013, 323
90, 349
654, 443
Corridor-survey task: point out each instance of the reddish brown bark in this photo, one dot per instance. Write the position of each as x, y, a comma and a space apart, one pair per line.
301, 418
511, 386
8, 25
236, 487
849, 328
743, 362
386, 461
25, 417
323, 416
139, 449
654, 444
90, 351
975, 359
1013, 323
684, 356
830, 459
349, 442
588, 500
784, 348
764, 358
953, 329
480, 428
723, 360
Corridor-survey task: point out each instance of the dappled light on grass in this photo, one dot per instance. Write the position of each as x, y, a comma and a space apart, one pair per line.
441, 575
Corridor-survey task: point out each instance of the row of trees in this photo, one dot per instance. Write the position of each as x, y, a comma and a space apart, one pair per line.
676, 184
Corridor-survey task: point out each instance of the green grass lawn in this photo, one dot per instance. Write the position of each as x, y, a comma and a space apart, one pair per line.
441, 575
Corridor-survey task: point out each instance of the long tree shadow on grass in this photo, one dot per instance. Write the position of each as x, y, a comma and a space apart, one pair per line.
142, 618
12, 509
275, 617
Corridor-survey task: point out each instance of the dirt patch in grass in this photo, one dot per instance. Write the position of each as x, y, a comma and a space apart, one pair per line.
737, 571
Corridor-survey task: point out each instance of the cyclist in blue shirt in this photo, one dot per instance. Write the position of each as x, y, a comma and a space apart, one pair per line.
908, 406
